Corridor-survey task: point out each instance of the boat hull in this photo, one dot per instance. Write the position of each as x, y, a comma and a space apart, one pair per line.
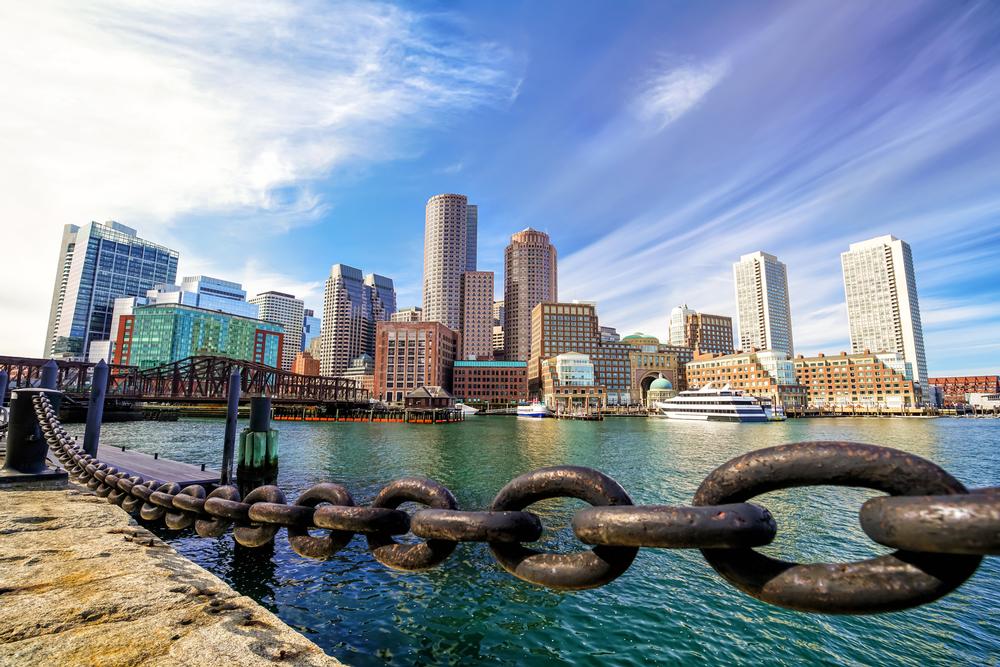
715, 418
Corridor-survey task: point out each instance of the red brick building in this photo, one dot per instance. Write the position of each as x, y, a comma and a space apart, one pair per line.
305, 364
409, 355
955, 388
491, 381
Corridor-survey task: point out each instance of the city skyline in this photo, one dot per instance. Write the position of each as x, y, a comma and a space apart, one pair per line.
896, 145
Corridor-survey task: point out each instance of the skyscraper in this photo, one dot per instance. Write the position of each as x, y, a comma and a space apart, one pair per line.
449, 251
882, 306
352, 305
98, 263
477, 315
310, 328
678, 325
765, 316
289, 312
529, 279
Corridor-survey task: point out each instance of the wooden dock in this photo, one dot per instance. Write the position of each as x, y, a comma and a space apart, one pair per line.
150, 467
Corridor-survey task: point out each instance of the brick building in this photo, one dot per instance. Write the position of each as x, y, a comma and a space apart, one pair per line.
409, 355
858, 380
765, 374
955, 388
305, 364
491, 381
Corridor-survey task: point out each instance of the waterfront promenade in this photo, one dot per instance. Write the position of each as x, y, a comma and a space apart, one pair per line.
82, 584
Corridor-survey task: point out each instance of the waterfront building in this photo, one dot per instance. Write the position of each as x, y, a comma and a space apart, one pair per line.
766, 374
882, 306
310, 328
649, 361
411, 314
196, 291
362, 371
955, 389
765, 314
477, 315
490, 382
569, 383
305, 364
678, 325
609, 335
352, 306
99, 262
984, 402
660, 389
449, 251
161, 333
529, 279
429, 398
410, 355
289, 312
866, 380
708, 333
558, 328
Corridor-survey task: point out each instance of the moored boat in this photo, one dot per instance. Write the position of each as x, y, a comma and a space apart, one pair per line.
535, 410
710, 404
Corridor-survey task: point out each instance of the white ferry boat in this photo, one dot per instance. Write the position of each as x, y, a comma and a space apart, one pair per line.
466, 409
709, 404
536, 410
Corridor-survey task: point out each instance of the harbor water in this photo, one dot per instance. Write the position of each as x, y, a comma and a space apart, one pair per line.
669, 608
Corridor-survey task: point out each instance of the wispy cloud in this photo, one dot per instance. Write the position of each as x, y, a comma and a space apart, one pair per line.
146, 111
671, 93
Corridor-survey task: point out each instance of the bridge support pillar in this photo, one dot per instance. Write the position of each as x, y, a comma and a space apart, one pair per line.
27, 450
258, 455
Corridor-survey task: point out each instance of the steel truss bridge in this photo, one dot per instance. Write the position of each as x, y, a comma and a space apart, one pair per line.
201, 379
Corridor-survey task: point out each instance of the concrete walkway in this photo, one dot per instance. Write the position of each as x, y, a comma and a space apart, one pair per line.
82, 584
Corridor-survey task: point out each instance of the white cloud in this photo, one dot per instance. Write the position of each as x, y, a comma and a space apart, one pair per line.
145, 111
670, 94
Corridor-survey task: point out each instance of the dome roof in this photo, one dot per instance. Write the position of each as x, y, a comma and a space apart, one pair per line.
636, 335
661, 383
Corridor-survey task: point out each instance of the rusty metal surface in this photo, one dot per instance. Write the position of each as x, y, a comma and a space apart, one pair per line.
574, 571
942, 529
669, 527
968, 524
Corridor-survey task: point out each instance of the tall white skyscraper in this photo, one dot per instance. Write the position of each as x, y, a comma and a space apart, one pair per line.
678, 319
449, 251
289, 312
882, 307
765, 316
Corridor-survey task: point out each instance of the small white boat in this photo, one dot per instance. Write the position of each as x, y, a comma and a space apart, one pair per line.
466, 409
534, 410
709, 404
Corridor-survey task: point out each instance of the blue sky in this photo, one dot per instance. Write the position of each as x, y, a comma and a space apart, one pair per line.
655, 142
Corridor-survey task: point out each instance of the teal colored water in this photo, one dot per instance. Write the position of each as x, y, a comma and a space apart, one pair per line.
669, 608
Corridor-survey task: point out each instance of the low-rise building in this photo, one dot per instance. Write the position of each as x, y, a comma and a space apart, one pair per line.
491, 382
955, 388
766, 374
866, 380
305, 364
158, 334
429, 398
409, 355
569, 384
660, 389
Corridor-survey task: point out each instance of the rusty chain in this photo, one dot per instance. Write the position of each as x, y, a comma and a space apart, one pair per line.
941, 529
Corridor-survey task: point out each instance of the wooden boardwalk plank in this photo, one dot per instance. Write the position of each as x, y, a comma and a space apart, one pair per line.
144, 465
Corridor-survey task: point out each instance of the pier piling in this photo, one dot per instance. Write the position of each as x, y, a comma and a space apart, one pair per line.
27, 449
95, 408
50, 375
258, 455
232, 414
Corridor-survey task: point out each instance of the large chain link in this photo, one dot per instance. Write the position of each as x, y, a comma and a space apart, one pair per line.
942, 530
